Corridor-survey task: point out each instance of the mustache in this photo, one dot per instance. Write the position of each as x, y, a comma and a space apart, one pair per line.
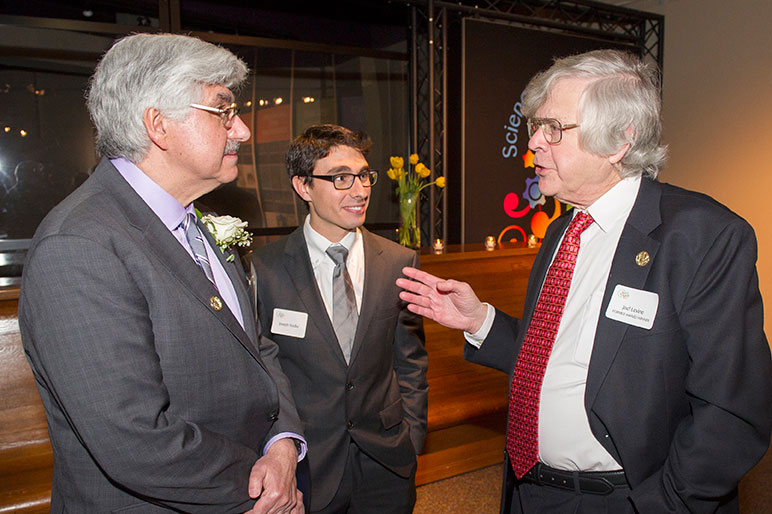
231, 147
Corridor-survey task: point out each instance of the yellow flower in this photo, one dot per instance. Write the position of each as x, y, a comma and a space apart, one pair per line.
392, 174
413, 159
397, 162
422, 170
440, 182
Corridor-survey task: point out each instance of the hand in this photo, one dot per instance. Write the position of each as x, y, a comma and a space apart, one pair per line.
448, 302
272, 481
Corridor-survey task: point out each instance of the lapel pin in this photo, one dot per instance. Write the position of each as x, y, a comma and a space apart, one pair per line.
215, 303
642, 259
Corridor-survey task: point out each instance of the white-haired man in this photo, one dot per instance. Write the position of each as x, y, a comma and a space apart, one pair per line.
641, 375
159, 394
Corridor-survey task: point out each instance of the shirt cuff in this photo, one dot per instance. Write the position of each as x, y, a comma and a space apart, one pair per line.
300, 443
478, 337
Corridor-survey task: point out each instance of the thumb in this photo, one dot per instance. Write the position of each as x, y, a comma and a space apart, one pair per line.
255, 484
446, 286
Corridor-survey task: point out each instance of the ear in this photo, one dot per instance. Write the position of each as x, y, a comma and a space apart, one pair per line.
156, 128
301, 187
619, 154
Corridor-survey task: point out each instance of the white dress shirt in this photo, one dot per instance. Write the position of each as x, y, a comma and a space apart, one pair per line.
323, 265
565, 439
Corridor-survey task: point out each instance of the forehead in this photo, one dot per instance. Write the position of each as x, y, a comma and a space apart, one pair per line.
563, 99
341, 159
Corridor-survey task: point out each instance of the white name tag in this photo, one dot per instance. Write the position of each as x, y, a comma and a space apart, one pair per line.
289, 323
633, 306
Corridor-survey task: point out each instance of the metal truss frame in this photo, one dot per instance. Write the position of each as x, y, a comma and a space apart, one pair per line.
429, 32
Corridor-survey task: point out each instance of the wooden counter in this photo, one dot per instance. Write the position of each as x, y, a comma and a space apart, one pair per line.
467, 402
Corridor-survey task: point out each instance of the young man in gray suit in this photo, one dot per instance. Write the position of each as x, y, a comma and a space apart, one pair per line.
158, 392
353, 353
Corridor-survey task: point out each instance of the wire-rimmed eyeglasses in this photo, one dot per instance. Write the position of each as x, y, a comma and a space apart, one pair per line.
550, 127
226, 113
346, 180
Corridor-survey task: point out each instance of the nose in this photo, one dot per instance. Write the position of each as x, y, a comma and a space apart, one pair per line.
239, 130
538, 140
358, 190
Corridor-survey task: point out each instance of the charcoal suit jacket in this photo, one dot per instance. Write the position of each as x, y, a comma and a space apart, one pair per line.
379, 400
156, 398
686, 406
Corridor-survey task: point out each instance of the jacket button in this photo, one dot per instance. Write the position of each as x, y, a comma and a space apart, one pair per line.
350, 425
349, 386
274, 417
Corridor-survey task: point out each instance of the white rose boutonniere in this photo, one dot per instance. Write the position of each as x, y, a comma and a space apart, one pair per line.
227, 231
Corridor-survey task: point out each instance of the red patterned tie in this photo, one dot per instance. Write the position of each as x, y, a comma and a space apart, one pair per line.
523, 431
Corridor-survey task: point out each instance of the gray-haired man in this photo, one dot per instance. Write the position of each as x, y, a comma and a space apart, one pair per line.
159, 394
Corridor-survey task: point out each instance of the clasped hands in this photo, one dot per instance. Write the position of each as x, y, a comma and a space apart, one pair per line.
272, 481
448, 302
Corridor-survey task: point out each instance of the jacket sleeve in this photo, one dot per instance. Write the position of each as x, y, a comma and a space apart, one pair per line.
410, 364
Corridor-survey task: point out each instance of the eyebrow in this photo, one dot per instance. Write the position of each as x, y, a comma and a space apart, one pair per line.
225, 97
344, 169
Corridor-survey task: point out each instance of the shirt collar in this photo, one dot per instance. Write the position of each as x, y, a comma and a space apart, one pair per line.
615, 204
165, 206
318, 244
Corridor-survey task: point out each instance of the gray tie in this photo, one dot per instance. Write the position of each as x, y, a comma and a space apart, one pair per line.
344, 303
196, 242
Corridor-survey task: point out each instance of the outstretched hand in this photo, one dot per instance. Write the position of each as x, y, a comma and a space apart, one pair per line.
448, 302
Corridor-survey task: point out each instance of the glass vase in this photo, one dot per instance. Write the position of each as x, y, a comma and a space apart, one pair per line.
409, 232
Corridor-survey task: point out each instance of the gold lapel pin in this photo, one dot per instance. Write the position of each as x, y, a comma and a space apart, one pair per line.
215, 303
642, 259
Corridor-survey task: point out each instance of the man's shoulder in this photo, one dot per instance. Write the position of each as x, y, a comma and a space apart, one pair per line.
678, 203
387, 246
273, 252
88, 211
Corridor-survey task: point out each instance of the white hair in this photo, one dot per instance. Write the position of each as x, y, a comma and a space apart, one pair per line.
163, 71
620, 105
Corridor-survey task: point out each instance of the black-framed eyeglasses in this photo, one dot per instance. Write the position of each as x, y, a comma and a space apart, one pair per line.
550, 127
346, 180
226, 113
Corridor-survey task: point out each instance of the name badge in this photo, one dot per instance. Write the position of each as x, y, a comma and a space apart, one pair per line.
633, 306
289, 323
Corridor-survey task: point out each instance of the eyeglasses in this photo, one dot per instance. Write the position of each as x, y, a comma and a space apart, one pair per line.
550, 127
226, 113
346, 180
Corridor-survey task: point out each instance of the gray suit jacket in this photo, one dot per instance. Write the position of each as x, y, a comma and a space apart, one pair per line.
685, 405
380, 399
155, 399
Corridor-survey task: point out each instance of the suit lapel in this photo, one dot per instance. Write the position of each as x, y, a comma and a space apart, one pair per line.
635, 238
373, 283
169, 254
238, 280
298, 266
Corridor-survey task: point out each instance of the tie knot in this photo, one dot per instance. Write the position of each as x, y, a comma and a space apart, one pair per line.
338, 254
188, 221
580, 222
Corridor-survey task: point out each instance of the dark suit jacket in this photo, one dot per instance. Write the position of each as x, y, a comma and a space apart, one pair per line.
380, 399
155, 399
684, 406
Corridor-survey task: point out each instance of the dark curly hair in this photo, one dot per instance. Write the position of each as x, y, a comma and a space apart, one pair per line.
317, 142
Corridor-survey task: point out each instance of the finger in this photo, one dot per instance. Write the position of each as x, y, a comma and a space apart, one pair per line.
416, 299
421, 276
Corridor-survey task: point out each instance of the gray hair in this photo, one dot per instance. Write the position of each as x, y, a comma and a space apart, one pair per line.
164, 71
621, 105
